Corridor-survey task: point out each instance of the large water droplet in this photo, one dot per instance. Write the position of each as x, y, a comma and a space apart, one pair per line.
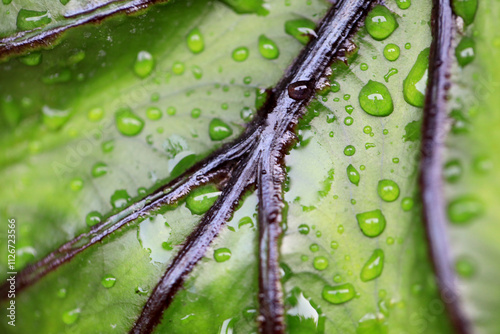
144, 64
301, 29
388, 190
108, 281
374, 266
466, 9
371, 223
248, 6
128, 123
219, 130
353, 175
338, 294
465, 51
120, 198
391, 52
380, 23
201, 199
222, 254
415, 84
32, 19
195, 41
465, 209
299, 90
375, 99
268, 48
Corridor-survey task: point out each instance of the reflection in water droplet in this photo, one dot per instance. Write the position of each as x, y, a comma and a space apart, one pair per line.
338, 294
375, 99
70, 317
32, 19
268, 48
222, 254
195, 41
301, 29
93, 218
353, 175
388, 190
373, 267
320, 263
128, 123
108, 281
120, 198
380, 23
371, 223
201, 199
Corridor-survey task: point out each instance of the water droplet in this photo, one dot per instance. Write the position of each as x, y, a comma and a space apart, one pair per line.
93, 218
247, 114
373, 323
338, 294
334, 245
388, 190
31, 59
195, 41
153, 113
299, 90
95, 114
76, 184
375, 99
178, 68
144, 64
303, 229
128, 123
482, 165
407, 204
222, 254
219, 130
120, 198
453, 170
61, 293
334, 86
195, 113
363, 66
466, 9
373, 267
320, 263
70, 317
380, 23
465, 51
268, 48
465, 267
349, 150
141, 291
314, 247
465, 209
390, 73
99, 169
171, 111
108, 281
241, 54
201, 199
371, 223
348, 121
32, 19
248, 6
301, 29
54, 119
415, 84
353, 175
108, 146
408, 46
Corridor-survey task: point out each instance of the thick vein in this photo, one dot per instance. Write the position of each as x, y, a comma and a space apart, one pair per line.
431, 179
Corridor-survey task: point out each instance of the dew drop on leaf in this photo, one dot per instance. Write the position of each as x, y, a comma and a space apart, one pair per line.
219, 130
268, 48
128, 123
240, 54
373, 267
320, 263
301, 29
195, 41
466, 9
349, 150
32, 19
76, 184
93, 218
415, 84
108, 281
201, 199
99, 169
338, 294
388, 190
373, 323
465, 51
120, 198
70, 317
465, 268
465, 209
371, 223
153, 113
95, 114
353, 174
222, 254
375, 99
380, 23
299, 90
391, 52
144, 64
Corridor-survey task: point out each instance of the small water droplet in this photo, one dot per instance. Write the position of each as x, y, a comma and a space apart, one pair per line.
466, 9
373, 323
144, 64
388, 190
349, 150
222, 254
153, 113
371, 223
375, 99
465, 209
301, 29
465, 51
303, 229
465, 267
353, 175
415, 84
338, 294
219, 130
93, 218
178, 68
128, 123
299, 90
320, 263
407, 204
120, 198
201, 199
108, 281
373, 267
240, 54
380, 23
195, 41
268, 48
99, 169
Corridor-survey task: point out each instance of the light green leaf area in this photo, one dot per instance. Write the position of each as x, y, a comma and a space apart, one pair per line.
472, 190
324, 246
64, 154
